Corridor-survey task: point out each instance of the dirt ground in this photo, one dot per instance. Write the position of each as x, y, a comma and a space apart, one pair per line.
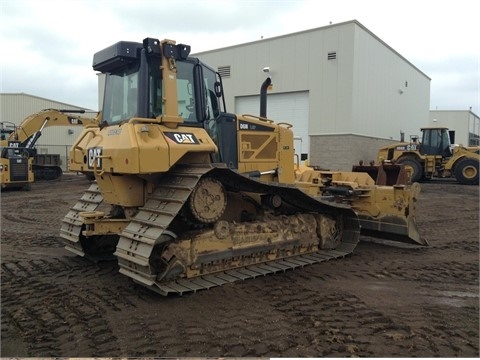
382, 301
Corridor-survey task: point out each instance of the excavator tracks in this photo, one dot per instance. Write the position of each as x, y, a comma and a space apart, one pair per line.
149, 227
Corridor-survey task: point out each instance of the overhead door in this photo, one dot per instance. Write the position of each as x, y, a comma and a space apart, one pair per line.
286, 107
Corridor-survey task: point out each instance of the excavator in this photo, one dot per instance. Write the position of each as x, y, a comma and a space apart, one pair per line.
26, 135
188, 196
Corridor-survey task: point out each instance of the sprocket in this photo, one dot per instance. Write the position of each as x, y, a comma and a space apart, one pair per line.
208, 200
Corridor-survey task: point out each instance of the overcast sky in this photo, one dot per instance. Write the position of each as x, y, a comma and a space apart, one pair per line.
47, 46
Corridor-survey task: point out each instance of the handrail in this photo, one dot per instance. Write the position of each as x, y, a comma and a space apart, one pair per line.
95, 169
288, 125
78, 147
297, 162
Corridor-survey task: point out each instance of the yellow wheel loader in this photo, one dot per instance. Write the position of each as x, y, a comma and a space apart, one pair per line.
26, 135
188, 196
434, 157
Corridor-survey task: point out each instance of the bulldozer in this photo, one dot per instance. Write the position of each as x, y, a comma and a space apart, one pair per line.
188, 196
434, 157
26, 135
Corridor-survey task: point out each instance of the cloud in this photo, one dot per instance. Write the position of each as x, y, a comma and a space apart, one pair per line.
48, 46
455, 82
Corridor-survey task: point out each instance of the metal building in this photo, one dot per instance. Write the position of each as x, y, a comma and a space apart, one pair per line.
15, 107
344, 90
465, 123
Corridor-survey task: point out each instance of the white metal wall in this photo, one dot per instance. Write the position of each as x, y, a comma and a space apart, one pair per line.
389, 94
465, 123
366, 89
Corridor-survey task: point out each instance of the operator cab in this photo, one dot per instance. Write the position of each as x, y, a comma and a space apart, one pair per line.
436, 141
138, 84
134, 86
9, 152
6, 128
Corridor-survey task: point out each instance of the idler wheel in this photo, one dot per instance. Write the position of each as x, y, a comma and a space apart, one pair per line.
222, 229
208, 200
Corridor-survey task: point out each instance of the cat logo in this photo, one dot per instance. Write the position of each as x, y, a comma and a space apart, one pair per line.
182, 138
74, 121
411, 147
94, 156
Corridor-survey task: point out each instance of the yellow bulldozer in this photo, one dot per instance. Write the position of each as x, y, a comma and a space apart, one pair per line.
189, 196
434, 156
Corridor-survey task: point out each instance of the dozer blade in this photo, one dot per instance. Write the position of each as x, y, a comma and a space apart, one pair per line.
388, 212
382, 198
395, 200
392, 228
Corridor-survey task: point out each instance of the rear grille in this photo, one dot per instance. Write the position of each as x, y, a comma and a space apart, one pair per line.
19, 169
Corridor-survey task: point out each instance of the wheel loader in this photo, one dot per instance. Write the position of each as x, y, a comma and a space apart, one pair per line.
189, 196
434, 157
26, 135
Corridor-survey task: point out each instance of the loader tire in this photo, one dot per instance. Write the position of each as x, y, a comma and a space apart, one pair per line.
413, 166
466, 171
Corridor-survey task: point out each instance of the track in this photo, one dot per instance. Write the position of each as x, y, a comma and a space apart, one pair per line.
137, 241
72, 224
139, 237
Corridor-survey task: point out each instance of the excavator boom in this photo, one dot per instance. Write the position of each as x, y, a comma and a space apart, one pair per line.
32, 125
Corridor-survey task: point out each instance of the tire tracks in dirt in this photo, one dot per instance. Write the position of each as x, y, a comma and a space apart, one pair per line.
382, 301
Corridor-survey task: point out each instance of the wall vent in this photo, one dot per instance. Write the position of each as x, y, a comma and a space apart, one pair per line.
224, 71
332, 55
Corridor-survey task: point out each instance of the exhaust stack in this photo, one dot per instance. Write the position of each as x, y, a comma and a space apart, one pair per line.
263, 96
